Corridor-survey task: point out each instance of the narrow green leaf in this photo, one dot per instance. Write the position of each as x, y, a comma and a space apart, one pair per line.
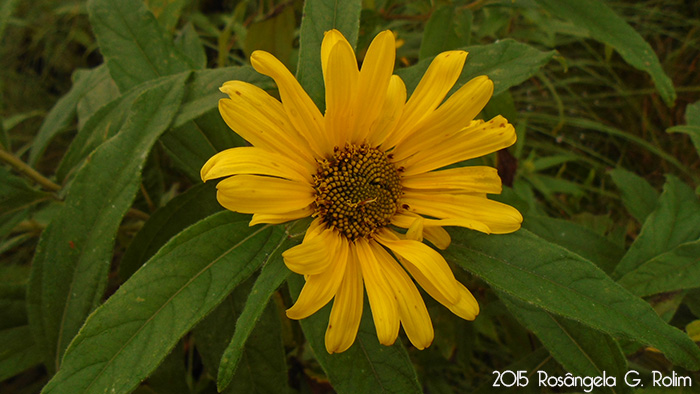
191, 46
637, 194
582, 350
692, 128
69, 272
367, 366
262, 367
448, 28
167, 11
125, 339
274, 35
18, 351
673, 222
319, 17
578, 239
604, 25
63, 113
182, 211
676, 269
16, 194
100, 127
135, 47
271, 277
556, 280
507, 63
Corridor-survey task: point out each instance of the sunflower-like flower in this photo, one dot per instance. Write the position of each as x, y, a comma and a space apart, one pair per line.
369, 166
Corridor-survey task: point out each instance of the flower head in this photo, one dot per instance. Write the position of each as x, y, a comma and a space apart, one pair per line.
369, 166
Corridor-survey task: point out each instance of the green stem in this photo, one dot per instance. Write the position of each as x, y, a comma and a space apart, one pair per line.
28, 171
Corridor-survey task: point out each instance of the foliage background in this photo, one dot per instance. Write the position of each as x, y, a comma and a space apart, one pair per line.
109, 110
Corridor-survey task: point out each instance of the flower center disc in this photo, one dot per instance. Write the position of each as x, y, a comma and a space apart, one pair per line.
357, 190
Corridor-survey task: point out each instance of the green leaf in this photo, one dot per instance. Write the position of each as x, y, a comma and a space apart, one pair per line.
182, 211
271, 277
367, 366
274, 35
533, 362
604, 25
676, 269
191, 46
262, 367
448, 28
69, 272
18, 351
637, 194
135, 47
582, 350
63, 113
692, 118
673, 222
167, 11
556, 280
16, 194
319, 17
125, 339
507, 63
578, 239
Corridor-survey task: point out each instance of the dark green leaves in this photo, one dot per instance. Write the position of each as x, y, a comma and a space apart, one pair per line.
558, 281
135, 47
449, 27
319, 17
604, 25
506, 62
70, 267
127, 337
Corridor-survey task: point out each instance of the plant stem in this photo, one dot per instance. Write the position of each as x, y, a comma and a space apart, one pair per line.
28, 171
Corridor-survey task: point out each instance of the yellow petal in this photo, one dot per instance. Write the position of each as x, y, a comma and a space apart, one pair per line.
320, 288
465, 307
441, 75
260, 119
313, 256
373, 83
261, 194
341, 77
253, 161
429, 262
330, 38
277, 218
438, 236
412, 311
379, 292
383, 130
347, 308
454, 114
299, 107
474, 141
473, 212
415, 230
475, 179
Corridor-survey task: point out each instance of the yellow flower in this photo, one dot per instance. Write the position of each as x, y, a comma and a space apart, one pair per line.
368, 166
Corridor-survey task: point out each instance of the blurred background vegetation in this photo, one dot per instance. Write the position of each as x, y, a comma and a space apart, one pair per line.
580, 116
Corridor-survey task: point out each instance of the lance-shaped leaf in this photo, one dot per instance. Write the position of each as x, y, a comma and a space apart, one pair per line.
604, 25
582, 350
637, 194
125, 339
556, 280
135, 47
673, 222
367, 366
271, 277
319, 17
69, 272
676, 269
507, 63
